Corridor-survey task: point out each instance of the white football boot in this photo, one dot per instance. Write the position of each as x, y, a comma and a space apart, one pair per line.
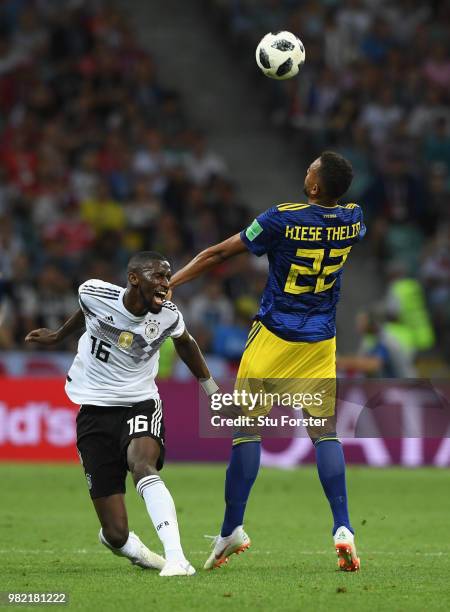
144, 558
177, 568
236, 543
344, 543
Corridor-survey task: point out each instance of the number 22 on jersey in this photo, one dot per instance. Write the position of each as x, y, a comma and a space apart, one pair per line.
316, 269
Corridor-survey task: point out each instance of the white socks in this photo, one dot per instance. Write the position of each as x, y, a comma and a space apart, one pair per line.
136, 551
161, 509
130, 549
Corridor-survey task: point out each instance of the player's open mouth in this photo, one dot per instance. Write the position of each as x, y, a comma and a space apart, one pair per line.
159, 297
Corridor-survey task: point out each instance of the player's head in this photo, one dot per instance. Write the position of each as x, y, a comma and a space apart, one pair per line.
328, 178
149, 275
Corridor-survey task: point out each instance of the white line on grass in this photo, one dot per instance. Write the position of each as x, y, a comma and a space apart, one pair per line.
84, 551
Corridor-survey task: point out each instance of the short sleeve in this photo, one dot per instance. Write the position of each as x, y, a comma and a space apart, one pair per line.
178, 326
92, 293
262, 234
87, 295
362, 229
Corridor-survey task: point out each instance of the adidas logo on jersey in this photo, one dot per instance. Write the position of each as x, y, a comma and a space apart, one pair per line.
109, 319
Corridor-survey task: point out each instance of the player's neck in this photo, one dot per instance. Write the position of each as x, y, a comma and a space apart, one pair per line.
323, 203
134, 303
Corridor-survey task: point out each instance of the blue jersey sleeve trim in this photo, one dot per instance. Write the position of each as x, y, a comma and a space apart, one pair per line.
261, 235
253, 247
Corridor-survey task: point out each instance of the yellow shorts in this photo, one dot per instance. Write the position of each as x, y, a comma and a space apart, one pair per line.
278, 366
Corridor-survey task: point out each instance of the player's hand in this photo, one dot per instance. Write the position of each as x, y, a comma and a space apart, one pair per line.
42, 336
169, 294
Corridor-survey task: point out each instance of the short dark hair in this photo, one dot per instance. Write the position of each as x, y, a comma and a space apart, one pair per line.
138, 260
336, 173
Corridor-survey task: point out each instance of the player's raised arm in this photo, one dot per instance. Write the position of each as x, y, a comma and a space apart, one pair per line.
207, 259
189, 352
48, 336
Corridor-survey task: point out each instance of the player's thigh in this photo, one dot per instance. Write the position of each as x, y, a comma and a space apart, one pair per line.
143, 434
98, 444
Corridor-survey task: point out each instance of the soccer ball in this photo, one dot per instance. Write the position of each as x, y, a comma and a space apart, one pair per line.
280, 55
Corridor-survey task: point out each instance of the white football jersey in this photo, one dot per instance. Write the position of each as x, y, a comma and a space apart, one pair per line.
117, 359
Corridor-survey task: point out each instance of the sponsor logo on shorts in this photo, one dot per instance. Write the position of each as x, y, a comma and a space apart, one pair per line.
89, 481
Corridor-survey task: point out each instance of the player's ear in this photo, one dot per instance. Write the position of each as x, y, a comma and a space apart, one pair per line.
315, 189
133, 279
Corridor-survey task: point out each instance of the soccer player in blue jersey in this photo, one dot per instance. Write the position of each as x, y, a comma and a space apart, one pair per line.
293, 335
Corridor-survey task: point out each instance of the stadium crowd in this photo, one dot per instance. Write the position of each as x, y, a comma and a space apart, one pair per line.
98, 160
376, 87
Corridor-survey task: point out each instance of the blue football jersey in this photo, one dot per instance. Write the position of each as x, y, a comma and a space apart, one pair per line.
307, 246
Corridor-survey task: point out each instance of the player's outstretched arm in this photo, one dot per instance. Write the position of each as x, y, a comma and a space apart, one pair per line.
207, 259
48, 336
188, 350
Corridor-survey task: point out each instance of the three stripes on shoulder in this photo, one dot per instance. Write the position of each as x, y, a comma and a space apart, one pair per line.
292, 207
283, 207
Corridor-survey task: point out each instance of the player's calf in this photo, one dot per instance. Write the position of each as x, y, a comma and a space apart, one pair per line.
161, 509
143, 454
115, 534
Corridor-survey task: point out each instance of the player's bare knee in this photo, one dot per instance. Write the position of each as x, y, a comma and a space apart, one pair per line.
142, 456
328, 427
141, 469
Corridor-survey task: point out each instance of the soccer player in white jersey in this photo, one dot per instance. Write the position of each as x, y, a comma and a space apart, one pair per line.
120, 423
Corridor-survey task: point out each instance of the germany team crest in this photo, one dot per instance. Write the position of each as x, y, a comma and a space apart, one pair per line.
151, 330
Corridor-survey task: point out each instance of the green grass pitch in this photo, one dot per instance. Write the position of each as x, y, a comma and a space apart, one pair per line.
48, 542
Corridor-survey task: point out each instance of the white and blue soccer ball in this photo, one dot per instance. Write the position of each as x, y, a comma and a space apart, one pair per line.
280, 55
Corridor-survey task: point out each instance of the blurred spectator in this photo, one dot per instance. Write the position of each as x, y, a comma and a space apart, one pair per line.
435, 273
229, 340
381, 354
142, 211
54, 299
211, 307
377, 43
437, 142
11, 246
380, 115
427, 112
85, 177
406, 310
203, 164
102, 212
437, 65
150, 159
